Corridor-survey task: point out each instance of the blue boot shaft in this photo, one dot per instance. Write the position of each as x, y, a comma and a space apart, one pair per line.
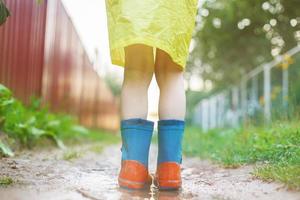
170, 135
136, 138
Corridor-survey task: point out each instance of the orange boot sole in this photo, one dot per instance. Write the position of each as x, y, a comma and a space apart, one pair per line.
133, 175
168, 176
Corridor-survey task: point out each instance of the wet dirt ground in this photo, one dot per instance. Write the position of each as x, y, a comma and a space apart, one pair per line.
92, 176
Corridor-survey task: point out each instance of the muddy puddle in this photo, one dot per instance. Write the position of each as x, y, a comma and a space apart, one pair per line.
54, 174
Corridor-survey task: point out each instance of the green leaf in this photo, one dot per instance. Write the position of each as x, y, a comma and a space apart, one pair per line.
59, 142
4, 91
80, 129
4, 12
7, 102
5, 149
40, 133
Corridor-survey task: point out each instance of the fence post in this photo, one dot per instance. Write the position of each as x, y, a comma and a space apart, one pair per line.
220, 110
285, 88
253, 96
267, 94
217, 111
205, 125
212, 112
254, 90
235, 105
244, 99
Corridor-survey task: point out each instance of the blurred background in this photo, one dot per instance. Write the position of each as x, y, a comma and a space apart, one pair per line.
242, 65
242, 83
58, 51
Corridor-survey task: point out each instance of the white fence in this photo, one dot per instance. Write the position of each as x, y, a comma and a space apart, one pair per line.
232, 107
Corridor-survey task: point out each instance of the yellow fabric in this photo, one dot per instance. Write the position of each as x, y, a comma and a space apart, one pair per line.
164, 24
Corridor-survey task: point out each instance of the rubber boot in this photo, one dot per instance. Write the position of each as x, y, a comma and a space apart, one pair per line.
136, 138
168, 173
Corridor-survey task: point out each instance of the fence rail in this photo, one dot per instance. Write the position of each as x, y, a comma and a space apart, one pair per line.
253, 97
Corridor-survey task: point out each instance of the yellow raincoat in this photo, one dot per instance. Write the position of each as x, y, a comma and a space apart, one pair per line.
163, 24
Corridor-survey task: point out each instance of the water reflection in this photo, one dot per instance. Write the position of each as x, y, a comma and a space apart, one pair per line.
151, 193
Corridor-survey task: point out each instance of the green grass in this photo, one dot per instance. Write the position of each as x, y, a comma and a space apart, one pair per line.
283, 172
97, 148
275, 150
97, 140
90, 136
28, 126
6, 181
71, 155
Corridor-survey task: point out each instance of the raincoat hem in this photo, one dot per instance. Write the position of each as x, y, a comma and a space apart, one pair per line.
149, 42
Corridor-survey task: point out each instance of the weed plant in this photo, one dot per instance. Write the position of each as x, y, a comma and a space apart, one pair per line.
24, 126
274, 150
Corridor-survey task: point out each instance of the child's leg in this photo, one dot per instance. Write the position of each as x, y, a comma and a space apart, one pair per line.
139, 68
169, 77
136, 130
172, 108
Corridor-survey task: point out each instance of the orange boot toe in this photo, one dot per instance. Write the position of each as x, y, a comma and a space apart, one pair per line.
168, 176
133, 175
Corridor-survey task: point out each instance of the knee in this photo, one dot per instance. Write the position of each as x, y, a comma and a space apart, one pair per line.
137, 77
167, 72
168, 75
142, 63
139, 65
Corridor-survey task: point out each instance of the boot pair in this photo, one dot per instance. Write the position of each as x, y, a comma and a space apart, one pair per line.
136, 139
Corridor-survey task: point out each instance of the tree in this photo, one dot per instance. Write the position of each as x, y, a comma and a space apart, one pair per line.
232, 36
4, 12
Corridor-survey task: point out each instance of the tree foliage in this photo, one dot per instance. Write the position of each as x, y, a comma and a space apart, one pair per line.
4, 12
232, 36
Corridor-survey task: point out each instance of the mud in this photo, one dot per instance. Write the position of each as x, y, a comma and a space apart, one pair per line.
92, 176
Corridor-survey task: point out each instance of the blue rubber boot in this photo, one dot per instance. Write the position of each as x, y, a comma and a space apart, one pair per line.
170, 135
136, 138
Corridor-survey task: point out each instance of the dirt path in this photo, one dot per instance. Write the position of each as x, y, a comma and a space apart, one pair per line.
46, 175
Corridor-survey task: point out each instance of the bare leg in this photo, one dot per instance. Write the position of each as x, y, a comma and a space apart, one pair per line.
136, 130
139, 68
169, 77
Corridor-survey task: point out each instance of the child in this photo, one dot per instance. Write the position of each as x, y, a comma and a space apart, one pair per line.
151, 37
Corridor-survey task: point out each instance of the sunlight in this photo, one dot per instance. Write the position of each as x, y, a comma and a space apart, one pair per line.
90, 22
